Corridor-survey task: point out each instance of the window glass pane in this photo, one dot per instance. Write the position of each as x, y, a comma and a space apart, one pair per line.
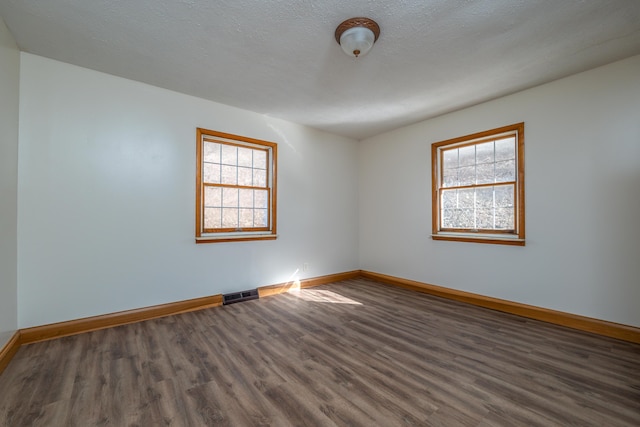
484, 173
484, 197
467, 155
259, 178
246, 218
245, 157
448, 217
230, 197
484, 153
484, 219
211, 173
261, 199
504, 196
212, 197
504, 219
260, 218
506, 171
211, 152
506, 149
449, 199
230, 218
467, 175
449, 159
465, 218
245, 176
246, 198
450, 177
229, 175
229, 155
259, 159
465, 198
212, 217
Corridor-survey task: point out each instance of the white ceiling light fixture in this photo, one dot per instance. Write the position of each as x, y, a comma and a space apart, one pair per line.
356, 36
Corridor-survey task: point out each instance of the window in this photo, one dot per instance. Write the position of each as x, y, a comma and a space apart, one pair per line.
478, 187
235, 188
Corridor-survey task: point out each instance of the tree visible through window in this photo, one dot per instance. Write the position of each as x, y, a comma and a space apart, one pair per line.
236, 191
478, 187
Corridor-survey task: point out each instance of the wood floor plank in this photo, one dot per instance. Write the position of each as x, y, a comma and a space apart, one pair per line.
354, 353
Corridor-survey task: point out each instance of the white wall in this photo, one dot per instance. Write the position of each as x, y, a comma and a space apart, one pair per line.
106, 197
582, 155
9, 84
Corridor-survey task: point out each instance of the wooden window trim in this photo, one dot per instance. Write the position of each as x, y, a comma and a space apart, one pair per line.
501, 237
229, 234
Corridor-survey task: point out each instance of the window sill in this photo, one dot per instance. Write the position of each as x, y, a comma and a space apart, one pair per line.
474, 238
231, 238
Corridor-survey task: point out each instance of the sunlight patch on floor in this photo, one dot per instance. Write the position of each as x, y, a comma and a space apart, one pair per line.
317, 295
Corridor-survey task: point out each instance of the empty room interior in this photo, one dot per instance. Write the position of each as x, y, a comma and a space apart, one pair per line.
325, 213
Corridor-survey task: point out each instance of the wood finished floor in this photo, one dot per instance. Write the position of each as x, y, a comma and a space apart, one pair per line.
355, 353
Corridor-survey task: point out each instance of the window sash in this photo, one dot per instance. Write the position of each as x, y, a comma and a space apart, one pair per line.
475, 208
238, 207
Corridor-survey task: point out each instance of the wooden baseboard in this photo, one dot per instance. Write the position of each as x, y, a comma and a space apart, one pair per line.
574, 321
266, 291
88, 324
9, 350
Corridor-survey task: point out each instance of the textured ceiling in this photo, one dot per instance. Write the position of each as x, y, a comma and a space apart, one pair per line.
280, 58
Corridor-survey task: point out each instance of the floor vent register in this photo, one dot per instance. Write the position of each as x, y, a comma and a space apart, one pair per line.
240, 296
